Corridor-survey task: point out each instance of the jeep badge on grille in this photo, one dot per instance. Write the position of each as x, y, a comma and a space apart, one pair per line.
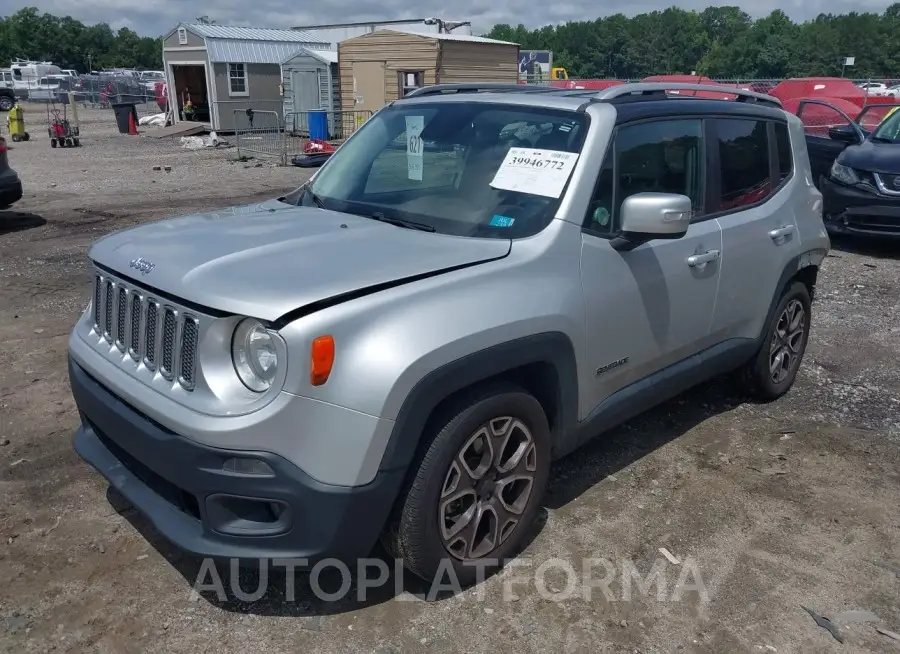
142, 265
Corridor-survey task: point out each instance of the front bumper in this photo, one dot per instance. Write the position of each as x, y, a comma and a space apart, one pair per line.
10, 189
181, 487
849, 210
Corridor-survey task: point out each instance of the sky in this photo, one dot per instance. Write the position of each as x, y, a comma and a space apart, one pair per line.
165, 14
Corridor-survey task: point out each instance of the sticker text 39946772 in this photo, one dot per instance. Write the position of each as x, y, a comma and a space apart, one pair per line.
539, 172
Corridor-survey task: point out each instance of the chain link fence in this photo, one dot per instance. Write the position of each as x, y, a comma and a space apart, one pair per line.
265, 134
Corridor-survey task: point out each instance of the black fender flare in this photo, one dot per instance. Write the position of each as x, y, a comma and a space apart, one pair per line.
553, 348
794, 266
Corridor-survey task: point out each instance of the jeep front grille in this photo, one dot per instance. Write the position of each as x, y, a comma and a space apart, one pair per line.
154, 331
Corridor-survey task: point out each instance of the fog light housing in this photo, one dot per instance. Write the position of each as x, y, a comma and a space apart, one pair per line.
246, 466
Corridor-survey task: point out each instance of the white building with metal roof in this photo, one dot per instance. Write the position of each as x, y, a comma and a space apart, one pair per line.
337, 32
214, 73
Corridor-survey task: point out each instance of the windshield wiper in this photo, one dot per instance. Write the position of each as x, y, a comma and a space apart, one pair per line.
400, 222
316, 199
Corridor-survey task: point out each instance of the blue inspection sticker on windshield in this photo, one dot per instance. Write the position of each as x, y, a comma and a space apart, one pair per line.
502, 221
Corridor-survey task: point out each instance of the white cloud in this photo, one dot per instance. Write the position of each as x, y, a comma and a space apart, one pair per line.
159, 16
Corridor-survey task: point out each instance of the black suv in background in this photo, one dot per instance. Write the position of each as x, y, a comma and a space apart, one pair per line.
10, 184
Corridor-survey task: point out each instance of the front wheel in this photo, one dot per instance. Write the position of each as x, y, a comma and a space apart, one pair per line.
771, 373
476, 489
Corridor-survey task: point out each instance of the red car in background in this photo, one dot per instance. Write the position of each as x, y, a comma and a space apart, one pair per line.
161, 91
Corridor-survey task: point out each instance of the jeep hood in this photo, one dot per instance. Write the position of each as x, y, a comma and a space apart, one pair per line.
268, 259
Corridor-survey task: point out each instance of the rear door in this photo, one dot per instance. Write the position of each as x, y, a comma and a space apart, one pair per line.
751, 198
819, 118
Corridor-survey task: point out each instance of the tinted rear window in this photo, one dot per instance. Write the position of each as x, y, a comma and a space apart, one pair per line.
744, 162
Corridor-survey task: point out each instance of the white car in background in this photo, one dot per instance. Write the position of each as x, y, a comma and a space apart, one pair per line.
874, 88
149, 78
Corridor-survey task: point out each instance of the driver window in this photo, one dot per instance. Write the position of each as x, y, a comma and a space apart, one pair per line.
663, 156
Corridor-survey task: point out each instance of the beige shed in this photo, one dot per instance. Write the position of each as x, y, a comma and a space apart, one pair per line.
381, 66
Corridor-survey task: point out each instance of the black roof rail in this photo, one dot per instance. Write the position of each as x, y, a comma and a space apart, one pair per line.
480, 87
620, 92
663, 90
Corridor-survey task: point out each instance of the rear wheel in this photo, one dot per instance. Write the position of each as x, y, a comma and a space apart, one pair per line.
6, 103
52, 143
16, 138
476, 489
771, 373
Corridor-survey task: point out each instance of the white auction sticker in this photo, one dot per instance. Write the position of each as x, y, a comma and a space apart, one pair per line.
414, 158
539, 172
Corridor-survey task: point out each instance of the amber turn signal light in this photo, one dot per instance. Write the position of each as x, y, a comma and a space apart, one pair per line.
322, 360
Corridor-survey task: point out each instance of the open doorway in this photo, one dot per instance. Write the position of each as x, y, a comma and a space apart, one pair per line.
190, 97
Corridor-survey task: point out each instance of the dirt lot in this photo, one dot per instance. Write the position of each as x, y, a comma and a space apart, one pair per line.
781, 506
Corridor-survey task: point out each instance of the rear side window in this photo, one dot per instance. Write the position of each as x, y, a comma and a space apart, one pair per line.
744, 162
785, 158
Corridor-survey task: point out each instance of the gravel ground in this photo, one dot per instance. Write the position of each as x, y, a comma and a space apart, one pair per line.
766, 508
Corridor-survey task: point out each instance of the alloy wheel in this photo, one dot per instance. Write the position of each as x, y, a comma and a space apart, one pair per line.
487, 487
787, 341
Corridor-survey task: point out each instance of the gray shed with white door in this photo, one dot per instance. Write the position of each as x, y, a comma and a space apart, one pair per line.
310, 81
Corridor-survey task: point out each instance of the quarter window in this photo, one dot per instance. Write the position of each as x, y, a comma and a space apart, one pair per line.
663, 156
237, 80
743, 163
785, 157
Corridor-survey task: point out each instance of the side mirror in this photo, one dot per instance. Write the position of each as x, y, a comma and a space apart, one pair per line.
650, 216
844, 134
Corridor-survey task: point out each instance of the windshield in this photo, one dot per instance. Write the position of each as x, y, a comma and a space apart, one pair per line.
888, 131
461, 168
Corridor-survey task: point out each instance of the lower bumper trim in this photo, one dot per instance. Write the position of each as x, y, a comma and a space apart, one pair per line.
182, 489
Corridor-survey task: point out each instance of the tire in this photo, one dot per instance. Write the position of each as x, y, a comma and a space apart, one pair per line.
425, 529
76, 142
6, 103
16, 138
26, 136
772, 371
52, 143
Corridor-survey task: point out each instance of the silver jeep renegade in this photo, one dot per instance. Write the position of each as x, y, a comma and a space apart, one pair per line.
479, 281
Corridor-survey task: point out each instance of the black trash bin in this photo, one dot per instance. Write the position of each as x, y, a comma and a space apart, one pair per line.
123, 110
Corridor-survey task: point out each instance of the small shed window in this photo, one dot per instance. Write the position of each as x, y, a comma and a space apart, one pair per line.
237, 80
182, 36
410, 80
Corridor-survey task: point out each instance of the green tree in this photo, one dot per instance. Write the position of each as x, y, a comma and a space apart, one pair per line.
30, 34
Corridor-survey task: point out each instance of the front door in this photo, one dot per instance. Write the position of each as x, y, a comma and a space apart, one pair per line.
651, 307
306, 90
368, 85
819, 118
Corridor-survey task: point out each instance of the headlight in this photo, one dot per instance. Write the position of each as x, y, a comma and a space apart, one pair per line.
254, 356
843, 174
